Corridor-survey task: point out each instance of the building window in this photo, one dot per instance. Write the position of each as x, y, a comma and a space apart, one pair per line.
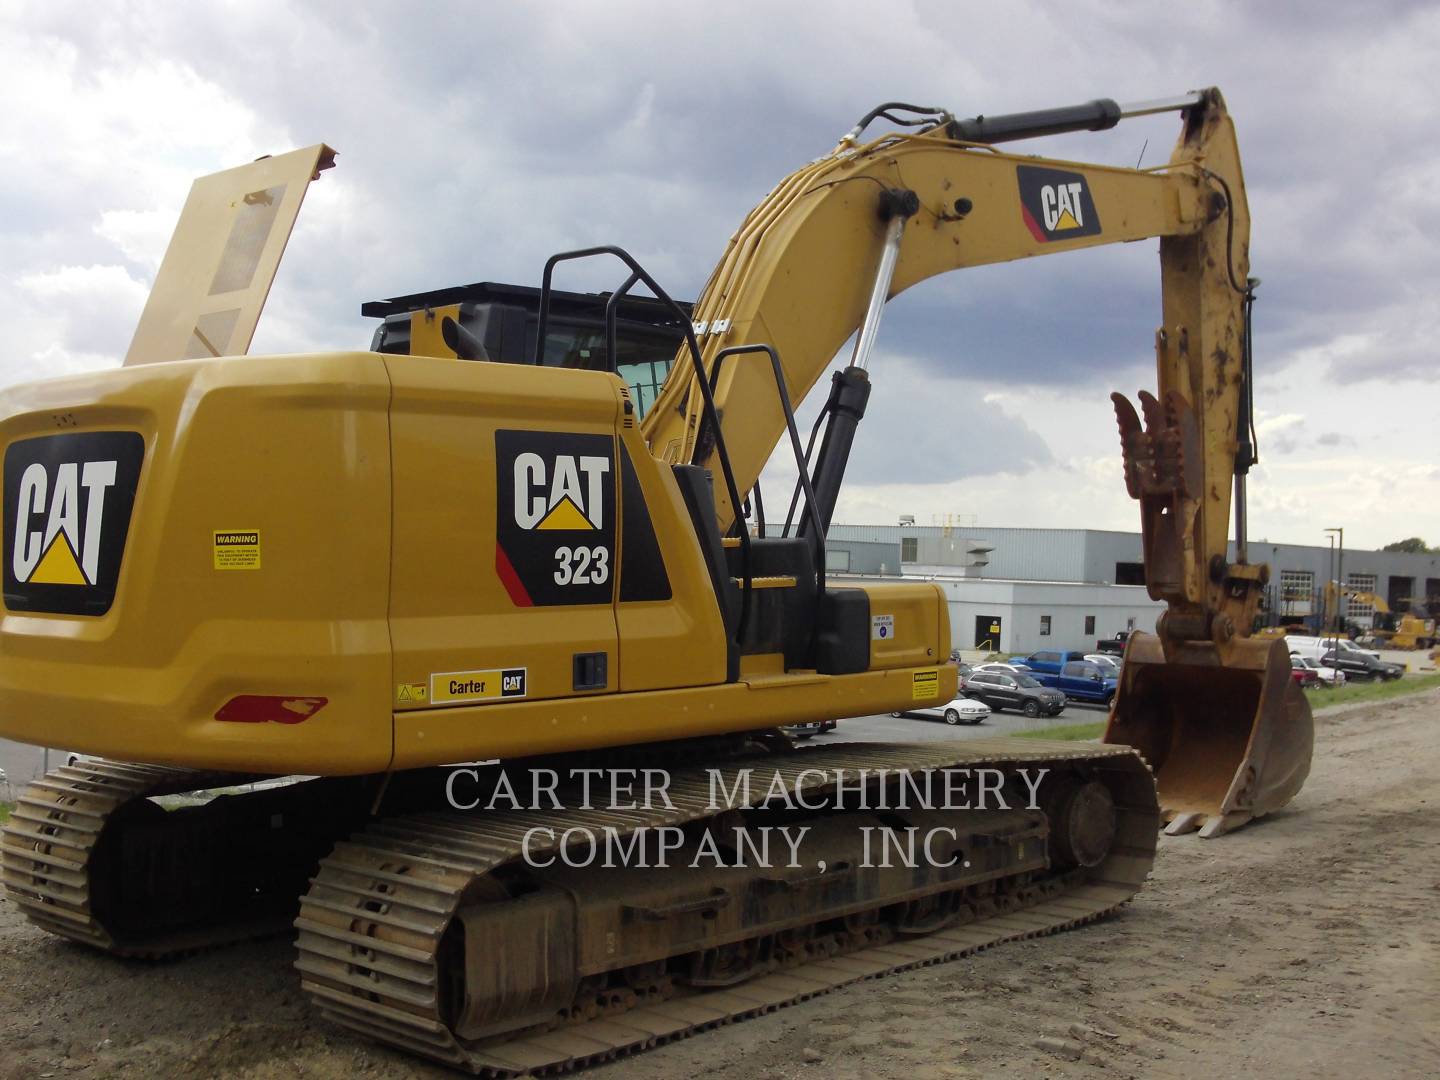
1297, 592
1360, 609
1044, 625
1129, 573
909, 549
1089, 625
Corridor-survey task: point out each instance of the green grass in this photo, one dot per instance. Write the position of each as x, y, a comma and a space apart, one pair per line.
5, 809
1358, 692
1067, 732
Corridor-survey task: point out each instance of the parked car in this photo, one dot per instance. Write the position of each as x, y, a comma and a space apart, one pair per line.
1316, 647
1003, 690
1304, 677
1325, 676
965, 670
1115, 645
809, 729
1106, 663
1081, 680
962, 710
1360, 665
1050, 662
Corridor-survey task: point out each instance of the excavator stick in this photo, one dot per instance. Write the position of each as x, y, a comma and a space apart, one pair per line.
1229, 742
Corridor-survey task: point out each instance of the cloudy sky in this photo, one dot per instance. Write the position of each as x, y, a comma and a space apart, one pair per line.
475, 139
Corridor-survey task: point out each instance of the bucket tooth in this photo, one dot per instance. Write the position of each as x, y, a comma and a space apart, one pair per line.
1181, 824
1219, 826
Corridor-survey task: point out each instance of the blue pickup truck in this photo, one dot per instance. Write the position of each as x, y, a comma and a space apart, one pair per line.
1080, 679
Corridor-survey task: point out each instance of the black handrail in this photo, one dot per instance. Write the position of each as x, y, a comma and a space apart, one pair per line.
804, 479
639, 273
611, 307
809, 449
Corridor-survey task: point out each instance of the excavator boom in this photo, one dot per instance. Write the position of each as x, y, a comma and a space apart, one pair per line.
1214, 710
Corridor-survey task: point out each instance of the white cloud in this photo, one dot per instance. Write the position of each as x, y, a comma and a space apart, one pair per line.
69, 319
140, 235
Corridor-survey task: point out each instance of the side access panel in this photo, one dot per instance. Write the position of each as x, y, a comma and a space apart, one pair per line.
222, 258
503, 575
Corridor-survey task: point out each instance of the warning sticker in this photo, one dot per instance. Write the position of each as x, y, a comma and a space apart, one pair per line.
412, 693
925, 685
237, 549
882, 627
450, 687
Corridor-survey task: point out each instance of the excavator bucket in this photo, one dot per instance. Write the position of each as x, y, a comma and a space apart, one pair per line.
1228, 743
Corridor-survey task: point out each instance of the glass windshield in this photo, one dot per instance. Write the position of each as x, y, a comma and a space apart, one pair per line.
1026, 680
643, 359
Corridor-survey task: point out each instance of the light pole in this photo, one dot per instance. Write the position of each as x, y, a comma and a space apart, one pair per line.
1325, 593
1339, 580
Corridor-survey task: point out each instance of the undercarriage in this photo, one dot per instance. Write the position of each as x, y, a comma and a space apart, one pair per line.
505, 941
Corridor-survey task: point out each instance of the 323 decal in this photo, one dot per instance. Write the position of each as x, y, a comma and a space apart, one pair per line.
582, 566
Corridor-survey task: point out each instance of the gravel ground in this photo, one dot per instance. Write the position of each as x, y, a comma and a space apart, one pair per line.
1305, 945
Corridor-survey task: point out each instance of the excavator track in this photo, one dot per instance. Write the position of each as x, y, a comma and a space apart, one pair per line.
87, 855
48, 845
403, 934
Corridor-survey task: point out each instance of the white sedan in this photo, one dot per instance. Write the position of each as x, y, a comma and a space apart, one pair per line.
962, 710
1106, 663
1331, 677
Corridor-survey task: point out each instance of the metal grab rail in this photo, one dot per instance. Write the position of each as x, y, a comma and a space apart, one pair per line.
804, 479
639, 274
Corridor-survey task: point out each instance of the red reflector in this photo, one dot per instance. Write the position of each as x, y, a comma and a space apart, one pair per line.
262, 708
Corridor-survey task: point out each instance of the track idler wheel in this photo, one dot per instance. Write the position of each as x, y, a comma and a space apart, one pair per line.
1082, 821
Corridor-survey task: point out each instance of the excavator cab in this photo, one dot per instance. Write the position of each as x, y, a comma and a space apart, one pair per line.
500, 323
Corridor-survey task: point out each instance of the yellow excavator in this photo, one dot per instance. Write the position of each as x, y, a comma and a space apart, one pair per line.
313, 583
1403, 630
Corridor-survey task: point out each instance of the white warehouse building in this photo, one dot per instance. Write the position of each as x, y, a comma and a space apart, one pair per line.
1026, 616
1018, 590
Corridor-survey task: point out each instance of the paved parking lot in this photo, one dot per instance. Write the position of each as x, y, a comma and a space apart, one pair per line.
915, 728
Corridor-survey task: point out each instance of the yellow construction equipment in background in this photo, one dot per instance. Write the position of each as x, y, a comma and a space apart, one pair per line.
1405, 630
